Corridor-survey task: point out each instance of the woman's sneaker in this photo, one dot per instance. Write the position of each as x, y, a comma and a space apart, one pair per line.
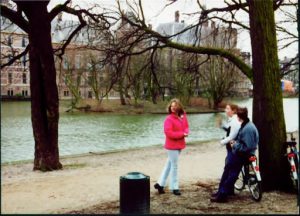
159, 188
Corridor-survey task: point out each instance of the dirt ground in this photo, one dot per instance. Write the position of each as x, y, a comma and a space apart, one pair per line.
195, 200
90, 184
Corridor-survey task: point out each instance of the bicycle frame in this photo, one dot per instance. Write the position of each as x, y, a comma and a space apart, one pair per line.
291, 155
255, 167
251, 177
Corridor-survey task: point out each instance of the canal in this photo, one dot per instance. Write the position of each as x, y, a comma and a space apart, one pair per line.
94, 132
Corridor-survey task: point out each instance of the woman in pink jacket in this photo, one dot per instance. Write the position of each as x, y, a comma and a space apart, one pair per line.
176, 128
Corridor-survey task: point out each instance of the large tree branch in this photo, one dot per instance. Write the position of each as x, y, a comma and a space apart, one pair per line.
15, 17
15, 58
58, 9
79, 13
277, 4
286, 67
195, 49
230, 22
237, 6
72, 35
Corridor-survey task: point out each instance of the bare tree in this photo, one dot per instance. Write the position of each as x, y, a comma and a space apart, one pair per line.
218, 78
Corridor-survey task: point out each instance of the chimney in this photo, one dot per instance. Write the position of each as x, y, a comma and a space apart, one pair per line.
177, 16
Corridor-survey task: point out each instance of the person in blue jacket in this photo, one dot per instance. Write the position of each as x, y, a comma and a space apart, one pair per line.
243, 146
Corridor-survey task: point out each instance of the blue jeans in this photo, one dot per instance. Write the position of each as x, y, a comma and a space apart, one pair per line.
171, 168
233, 166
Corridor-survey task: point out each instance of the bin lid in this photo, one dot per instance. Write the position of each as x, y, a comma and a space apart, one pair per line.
134, 176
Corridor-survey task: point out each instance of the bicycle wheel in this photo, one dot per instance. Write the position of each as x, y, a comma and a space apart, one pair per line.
295, 183
255, 188
240, 182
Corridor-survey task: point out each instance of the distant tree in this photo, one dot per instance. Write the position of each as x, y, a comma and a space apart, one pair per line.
72, 79
218, 77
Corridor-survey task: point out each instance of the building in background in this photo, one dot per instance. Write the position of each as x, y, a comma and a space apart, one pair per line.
74, 64
77, 64
242, 86
208, 35
15, 78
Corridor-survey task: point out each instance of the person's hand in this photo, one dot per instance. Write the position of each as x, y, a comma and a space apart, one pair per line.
185, 134
232, 142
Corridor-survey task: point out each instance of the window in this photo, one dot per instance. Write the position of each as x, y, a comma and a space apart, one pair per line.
23, 41
10, 78
24, 78
90, 94
24, 93
24, 60
65, 63
9, 40
77, 61
66, 93
10, 92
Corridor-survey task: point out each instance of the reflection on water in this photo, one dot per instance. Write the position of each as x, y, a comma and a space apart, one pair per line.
93, 132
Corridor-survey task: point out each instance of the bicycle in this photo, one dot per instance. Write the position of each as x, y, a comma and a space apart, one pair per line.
250, 176
292, 156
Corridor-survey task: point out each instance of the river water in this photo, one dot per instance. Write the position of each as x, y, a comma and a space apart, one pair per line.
94, 132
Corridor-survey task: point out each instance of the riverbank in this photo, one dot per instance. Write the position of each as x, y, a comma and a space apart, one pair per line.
197, 105
90, 184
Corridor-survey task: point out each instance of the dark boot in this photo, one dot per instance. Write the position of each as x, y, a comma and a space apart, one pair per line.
215, 194
177, 192
159, 188
231, 193
220, 198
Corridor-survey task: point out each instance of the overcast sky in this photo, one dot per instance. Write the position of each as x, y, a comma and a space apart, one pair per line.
155, 13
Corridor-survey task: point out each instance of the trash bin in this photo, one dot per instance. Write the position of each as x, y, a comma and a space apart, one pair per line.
134, 193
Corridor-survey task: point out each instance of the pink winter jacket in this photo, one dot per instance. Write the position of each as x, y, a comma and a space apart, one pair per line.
174, 128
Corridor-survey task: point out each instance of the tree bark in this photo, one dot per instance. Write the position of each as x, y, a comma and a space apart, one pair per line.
44, 93
268, 113
121, 92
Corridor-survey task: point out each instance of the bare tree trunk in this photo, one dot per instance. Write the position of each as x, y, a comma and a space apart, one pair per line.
121, 92
267, 97
216, 104
44, 94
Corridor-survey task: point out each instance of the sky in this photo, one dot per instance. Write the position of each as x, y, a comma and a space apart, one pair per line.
155, 13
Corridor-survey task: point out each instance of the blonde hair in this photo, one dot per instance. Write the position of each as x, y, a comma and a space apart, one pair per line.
179, 104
